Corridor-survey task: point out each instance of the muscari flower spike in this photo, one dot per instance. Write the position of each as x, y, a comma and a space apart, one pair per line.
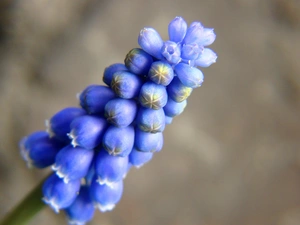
119, 126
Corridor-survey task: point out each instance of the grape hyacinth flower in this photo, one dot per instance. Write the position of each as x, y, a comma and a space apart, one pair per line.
119, 125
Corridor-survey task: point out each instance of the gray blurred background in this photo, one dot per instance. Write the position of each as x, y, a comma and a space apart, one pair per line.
233, 156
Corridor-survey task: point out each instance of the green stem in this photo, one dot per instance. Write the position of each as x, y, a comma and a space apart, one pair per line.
26, 209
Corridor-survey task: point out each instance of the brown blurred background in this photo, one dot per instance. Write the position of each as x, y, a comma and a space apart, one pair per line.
233, 156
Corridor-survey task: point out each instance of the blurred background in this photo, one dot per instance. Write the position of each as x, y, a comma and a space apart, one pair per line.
233, 156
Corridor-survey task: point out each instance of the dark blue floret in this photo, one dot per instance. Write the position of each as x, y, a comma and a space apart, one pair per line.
82, 209
151, 120
148, 142
138, 61
173, 108
59, 124
161, 73
39, 150
109, 168
94, 98
177, 91
126, 85
118, 141
138, 158
109, 72
87, 131
120, 112
73, 163
153, 95
58, 194
105, 197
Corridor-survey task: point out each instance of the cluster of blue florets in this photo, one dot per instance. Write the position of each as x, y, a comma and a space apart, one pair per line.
120, 125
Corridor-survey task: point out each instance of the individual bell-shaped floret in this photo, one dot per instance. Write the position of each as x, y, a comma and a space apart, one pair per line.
58, 194
59, 124
191, 51
177, 29
189, 76
82, 209
138, 61
173, 108
39, 150
87, 131
109, 72
126, 85
109, 168
161, 73
120, 112
148, 142
206, 58
94, 98
172, 52
118, 141
151, 42
138, 158
207, 37
73, 163
193, 33
177, 91
153, 95
151, 120
105, 197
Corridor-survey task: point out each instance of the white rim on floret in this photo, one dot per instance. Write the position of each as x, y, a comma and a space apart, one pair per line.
60, 174
72, 136
51, 203
104, 208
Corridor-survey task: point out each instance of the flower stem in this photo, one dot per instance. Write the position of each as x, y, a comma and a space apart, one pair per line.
26, 209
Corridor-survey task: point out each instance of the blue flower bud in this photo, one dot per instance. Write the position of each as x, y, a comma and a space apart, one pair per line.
105, 197
189, 76
120, 112
82, 209
171, 51
109, 168
59, 124
94, 98
193, 33
138, 158
109, 72
138, 61
191, 51
58, 194
38, 150
169, 119
207, 58
118, 141
173, 108
148, 142
177, 29
151, 120
161, 73
177, 91
151, 42
72, 163
153, 95
207, 37
87, 131
126, 85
